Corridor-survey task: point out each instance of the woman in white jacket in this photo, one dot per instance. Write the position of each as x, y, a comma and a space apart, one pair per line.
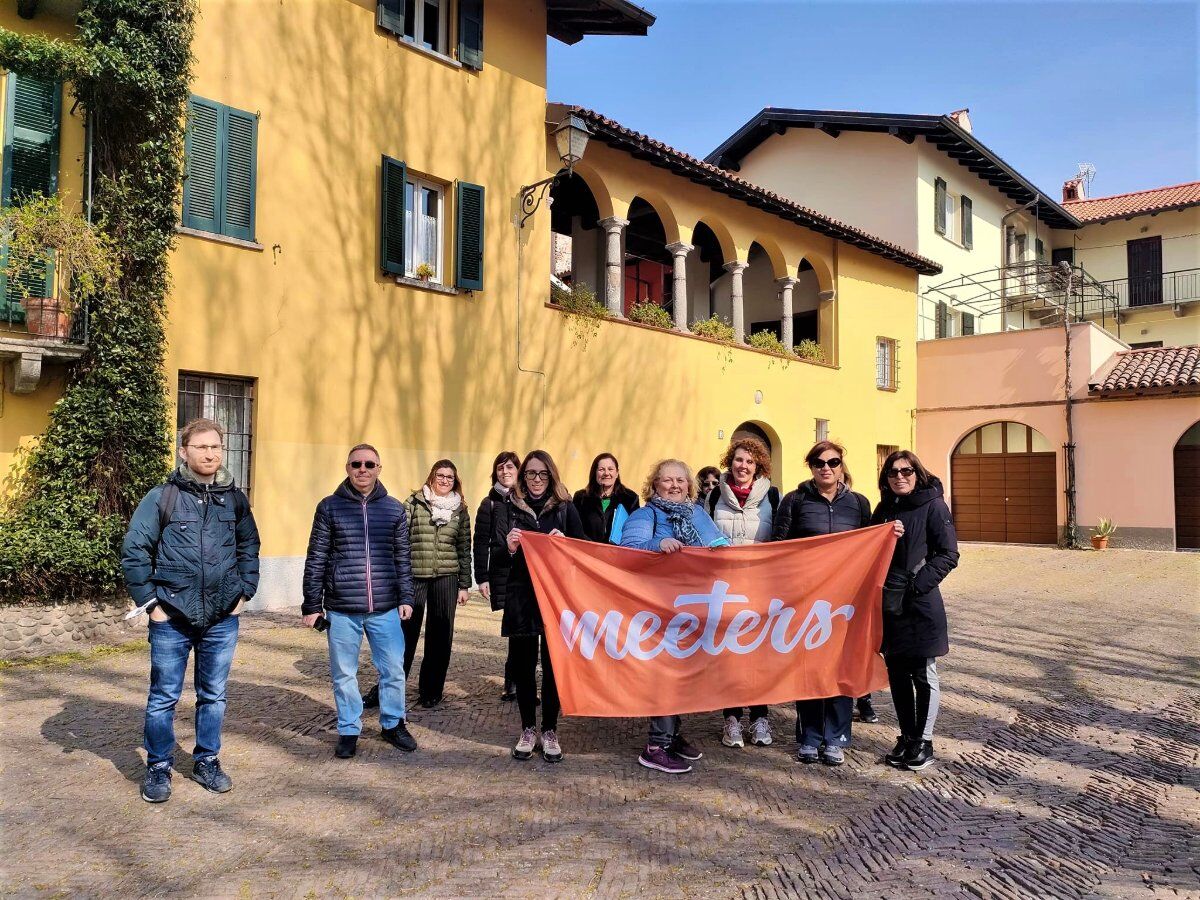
743, 505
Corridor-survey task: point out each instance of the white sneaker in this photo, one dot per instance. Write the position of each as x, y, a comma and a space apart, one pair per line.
760, 732
733, 733
551, 750
526, 744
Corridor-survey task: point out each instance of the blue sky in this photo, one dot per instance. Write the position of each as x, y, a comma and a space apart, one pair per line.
1049, 85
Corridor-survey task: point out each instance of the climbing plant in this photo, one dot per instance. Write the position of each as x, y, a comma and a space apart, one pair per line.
72, 492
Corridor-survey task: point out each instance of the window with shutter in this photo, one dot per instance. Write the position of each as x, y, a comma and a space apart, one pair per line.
221, 147
393, 176
470, 33
968, 323
939, 205
941, 326
469, 266
32, 114
967, 225
389, 15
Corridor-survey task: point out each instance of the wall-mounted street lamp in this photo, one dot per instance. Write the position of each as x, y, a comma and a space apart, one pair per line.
571, 137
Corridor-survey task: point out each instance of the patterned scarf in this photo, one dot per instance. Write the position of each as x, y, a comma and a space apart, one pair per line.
680, 517
441, 509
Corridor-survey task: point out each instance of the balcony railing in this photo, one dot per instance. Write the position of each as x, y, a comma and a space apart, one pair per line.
43, 319
1180, 286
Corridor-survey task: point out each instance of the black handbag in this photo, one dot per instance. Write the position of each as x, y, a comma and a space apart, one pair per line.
896, 588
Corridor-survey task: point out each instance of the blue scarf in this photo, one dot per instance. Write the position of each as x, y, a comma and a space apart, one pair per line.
680, 517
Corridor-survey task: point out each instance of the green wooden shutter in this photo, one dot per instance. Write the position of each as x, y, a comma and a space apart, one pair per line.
470, 33
939, 205
32, 114
941, 327
203, 185
239, 168
469, 265
968, 237
389, 15
393, 175
968, 323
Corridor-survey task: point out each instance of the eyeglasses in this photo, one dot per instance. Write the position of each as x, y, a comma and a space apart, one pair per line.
207, 448
535, 475
363, 464
822, 463
903, 472
448, 479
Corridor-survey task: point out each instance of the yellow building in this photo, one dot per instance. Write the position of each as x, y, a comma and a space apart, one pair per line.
352, 266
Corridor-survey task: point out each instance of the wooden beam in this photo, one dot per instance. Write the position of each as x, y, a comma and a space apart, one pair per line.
907, 136
828, 129
778, 127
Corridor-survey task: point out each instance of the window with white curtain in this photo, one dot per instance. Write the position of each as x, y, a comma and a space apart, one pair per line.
885, 363
423, 206
229, 402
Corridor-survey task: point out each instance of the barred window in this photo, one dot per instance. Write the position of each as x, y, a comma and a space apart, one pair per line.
885, 364
225, 400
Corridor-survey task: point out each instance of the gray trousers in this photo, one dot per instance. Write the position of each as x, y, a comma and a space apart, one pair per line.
664, 730
916, 693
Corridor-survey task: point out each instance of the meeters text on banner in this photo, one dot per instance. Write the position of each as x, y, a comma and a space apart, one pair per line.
634, 633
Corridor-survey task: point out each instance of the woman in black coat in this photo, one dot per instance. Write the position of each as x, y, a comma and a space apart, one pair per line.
914, 618
597, 504
491, 558
538, 502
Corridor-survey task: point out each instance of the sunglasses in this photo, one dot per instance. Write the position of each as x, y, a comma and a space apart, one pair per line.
822, 463
531, 475
903, 472
363, 464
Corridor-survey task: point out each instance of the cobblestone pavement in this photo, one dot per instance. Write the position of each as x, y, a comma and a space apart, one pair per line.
1068, 750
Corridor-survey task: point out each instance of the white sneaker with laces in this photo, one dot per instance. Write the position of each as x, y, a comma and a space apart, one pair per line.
732, 736
526, 744
760, 732
551, 750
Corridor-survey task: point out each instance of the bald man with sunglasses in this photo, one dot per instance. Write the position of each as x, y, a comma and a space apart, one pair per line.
358, 582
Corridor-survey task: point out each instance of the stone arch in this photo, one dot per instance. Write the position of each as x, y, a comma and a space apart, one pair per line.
1186, 474
771, 249
723, 236
658, 201
768, 435
820, 268
605, 205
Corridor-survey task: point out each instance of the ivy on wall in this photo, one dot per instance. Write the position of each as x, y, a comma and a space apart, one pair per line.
108, 438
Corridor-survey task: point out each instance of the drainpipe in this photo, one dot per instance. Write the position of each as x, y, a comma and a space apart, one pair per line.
1004, 256
1071, 538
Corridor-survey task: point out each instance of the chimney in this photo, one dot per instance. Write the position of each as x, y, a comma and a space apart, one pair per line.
1073, 189
962, 118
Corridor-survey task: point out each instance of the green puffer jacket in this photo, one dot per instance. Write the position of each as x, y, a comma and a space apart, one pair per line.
439, 550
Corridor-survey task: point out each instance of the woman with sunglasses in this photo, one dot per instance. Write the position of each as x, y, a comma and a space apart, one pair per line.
491, 558
706, 482
440, 534
914, 622
597, 503
538, 502
825, 505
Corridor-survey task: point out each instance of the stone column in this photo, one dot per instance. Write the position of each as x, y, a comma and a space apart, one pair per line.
735, 270
614, 264
785, 312
679, 297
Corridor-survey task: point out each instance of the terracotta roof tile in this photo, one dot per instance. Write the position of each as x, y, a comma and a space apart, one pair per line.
1155, 369
1099, 209
660, 154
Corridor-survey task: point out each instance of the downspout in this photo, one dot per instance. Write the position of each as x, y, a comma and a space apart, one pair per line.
1004, 258
1071, 539
520, 368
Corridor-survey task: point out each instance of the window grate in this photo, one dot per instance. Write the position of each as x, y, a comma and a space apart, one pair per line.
228, 401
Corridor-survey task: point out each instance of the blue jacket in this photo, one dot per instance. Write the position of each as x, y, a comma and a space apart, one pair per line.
648, 527
358, 554
204, 561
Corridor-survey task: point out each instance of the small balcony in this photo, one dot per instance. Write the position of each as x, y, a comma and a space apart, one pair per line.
1123, 295
36, 330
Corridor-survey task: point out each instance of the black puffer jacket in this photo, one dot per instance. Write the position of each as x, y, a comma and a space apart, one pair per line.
492, 561
204, 561
521, 613
805, 513
358, 554
930, 548
597, 522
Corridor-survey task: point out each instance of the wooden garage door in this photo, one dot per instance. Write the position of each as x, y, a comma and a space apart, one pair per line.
1004, 497
1187, 496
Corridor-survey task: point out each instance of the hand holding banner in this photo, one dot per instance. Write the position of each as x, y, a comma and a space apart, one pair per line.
634, 633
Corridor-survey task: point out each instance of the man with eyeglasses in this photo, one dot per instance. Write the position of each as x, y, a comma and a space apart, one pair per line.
359, 571
190, 560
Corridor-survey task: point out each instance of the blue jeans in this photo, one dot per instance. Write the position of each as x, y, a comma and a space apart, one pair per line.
170, 644
824, 723
386, 640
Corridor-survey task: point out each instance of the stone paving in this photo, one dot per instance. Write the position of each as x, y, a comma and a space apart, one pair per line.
1068, 750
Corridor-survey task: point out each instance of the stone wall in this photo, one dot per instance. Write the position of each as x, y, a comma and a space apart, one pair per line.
30, 630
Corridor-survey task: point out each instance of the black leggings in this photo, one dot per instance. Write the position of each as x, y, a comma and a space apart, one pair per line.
523, 651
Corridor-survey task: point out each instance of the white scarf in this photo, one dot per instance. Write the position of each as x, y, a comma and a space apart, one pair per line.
441, 508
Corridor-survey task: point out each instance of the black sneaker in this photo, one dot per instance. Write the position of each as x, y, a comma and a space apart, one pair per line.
919, 756
509, 695
347, 746
685, 749
896, 757
429, 702
371, 699
866, 711
207, 772
156, 786
400, 738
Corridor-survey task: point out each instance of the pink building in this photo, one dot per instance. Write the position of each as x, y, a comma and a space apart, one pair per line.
991, 422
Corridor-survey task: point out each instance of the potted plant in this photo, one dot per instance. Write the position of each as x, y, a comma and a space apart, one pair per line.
1102, 532
647, 312
424, 271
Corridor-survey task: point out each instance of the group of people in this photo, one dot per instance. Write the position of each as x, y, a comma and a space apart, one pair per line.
379, 568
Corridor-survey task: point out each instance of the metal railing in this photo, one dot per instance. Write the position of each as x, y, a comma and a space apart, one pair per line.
1150, 290
43, 318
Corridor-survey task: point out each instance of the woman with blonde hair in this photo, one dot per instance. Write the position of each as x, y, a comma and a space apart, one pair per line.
669, 521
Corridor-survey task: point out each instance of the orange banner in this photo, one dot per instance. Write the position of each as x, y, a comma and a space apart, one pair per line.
634, 633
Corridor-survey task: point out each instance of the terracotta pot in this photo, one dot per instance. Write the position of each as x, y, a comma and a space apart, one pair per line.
45, 317
1099, 543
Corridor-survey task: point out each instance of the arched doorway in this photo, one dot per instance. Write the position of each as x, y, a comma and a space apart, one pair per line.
1004, 486
647, 262
768, 437
1187, 490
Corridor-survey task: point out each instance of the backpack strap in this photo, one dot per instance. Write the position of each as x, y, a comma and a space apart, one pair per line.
166, 505
864, 510
773, 499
